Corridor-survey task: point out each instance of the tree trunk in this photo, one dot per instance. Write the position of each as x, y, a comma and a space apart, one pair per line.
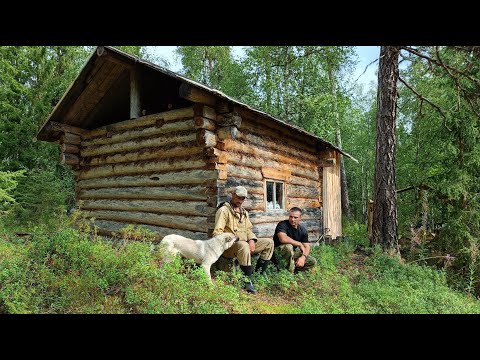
385, 197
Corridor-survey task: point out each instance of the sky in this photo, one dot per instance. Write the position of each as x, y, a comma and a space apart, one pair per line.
366, 55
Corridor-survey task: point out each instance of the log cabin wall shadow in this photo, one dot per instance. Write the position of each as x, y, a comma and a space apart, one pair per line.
153, 148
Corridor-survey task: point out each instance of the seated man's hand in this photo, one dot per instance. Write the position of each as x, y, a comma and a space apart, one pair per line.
300, 261
251, 243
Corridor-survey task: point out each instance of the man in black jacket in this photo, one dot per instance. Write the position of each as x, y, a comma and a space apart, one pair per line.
291, 243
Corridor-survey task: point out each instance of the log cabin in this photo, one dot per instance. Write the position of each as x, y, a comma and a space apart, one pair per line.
153, 148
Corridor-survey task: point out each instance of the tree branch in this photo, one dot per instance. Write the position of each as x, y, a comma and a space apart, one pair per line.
441, 64
457, 83
421, 97
366, 67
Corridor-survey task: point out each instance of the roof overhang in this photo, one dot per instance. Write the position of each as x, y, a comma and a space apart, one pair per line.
98, 82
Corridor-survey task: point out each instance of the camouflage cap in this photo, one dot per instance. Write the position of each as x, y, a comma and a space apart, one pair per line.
241, 191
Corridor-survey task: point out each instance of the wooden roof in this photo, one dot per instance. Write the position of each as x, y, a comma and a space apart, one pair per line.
100, 95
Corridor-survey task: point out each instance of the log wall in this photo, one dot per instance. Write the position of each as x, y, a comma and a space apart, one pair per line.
152, 171
169, 171
255, 153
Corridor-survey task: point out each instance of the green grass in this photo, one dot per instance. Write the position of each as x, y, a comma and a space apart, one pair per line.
71, 271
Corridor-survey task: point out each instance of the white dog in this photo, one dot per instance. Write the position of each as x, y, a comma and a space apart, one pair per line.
204, 252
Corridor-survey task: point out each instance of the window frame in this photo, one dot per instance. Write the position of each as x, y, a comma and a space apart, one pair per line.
282, 204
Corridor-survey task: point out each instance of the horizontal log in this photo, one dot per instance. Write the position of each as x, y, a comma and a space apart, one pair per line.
204, 123
255, 163
303, 191
273, 145
132, 145
257, 150
69, 159
233, 182
279, 173
70, 138
117, 137
141, 168
216, 166
148, 120
111, 227
228, 132
213, 155
298, 180
229, 119
267, 220
204, 111
56, 126
316, 213
265, 229
287, 144
168, 152
214, 152
206, 138
312, 224
285, 131
196, 94
70, 148
254, 206
221, 159
268, 163
270, 216
190, 177
197, 208
251, 185
150, 193
244, 172
302, 203
222, 144
308, 213
192, 223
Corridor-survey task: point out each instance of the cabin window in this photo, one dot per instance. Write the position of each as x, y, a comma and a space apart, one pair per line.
275, 197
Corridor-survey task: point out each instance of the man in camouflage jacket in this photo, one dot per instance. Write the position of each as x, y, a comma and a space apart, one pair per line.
232, 217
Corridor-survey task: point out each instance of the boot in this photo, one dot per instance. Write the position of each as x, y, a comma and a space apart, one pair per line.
275, 262
247, 270
263, 265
